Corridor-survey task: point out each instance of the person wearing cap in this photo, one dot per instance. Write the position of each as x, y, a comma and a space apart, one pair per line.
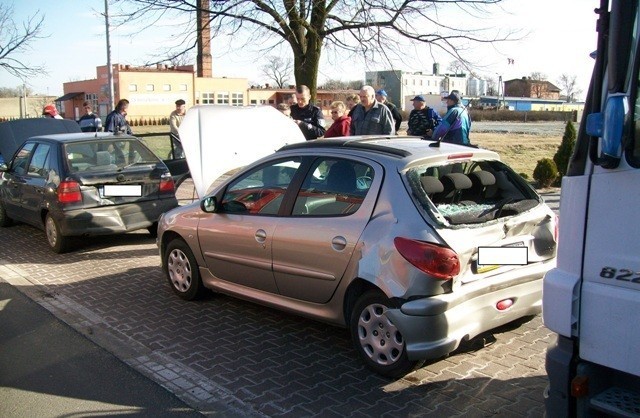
89, 122
175, 118
370, 117
455, 124
50, 111
116, 121
422, 119
382, 97
308, 117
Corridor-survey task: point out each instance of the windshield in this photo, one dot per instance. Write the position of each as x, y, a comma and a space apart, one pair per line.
111, 154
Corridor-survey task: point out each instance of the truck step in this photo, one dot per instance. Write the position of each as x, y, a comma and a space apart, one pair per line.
618, 402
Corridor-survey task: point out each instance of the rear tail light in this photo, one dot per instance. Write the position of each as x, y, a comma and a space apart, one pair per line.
69, 192
166, 184
440, 262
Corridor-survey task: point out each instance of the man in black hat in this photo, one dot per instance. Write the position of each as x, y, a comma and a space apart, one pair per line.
455, 124
422, 119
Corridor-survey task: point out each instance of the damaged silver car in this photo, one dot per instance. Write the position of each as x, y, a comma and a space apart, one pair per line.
413, 248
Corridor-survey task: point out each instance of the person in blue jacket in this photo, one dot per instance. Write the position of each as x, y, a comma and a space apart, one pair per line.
455, 123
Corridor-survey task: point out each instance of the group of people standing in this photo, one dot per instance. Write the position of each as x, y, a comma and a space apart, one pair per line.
116, 121
370, 113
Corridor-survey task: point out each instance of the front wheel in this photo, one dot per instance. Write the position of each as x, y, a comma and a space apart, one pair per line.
377, 340
182, 271
57, 242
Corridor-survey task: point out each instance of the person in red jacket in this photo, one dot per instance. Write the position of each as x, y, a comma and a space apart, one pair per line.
341, 122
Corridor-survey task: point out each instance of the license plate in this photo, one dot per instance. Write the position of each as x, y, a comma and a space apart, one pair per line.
122, 190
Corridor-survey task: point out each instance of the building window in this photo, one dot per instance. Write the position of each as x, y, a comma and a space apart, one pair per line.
208, 98
133, 87
222, 98
166, 87
237, 99
271, 101
263, 101
182, 87
254, 101
149, 87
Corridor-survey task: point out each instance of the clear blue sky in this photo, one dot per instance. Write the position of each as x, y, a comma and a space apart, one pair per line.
561, 34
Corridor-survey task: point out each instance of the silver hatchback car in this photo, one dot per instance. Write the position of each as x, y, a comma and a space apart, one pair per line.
385, 236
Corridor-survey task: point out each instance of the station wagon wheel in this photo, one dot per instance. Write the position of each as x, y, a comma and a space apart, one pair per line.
57, 242
377, 340
181, 269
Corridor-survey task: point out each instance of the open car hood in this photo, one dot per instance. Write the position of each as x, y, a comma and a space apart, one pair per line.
217, 139
14, 133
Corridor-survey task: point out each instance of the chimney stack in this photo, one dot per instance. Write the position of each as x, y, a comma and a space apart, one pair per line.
204, 40
436, 69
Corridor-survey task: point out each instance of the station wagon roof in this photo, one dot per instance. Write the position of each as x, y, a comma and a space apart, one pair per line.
82, 136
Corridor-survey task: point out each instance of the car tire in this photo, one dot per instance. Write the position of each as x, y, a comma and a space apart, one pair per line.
378, 342
182, 271
57, 242
4, 219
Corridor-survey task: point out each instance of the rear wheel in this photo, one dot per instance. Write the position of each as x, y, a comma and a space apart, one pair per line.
182, 271
58, 242
4, 219
377, 340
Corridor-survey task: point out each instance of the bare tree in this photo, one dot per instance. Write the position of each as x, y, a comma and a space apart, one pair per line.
569, 84
538, 84
14, 40
376, 30
278, 70
457, 67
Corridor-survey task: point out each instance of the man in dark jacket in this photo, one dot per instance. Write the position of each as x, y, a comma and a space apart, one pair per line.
308, 117
371, 117
381, 96
422, 120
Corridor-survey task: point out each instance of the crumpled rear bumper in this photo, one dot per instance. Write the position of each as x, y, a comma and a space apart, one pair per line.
433, 327
113, 219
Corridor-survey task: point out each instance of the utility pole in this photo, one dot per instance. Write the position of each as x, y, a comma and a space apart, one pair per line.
109, 67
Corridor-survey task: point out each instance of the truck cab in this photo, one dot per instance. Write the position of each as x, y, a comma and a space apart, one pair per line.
592, 298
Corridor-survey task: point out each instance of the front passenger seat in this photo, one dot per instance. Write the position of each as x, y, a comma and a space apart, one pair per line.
341, 178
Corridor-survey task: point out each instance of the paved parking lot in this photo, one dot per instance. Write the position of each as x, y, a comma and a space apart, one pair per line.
221, 355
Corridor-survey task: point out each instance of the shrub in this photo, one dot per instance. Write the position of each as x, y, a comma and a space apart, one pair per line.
524, 176
545, 172
565, 149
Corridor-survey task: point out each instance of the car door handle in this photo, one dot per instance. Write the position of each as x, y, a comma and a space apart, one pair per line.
261, 235
339, 243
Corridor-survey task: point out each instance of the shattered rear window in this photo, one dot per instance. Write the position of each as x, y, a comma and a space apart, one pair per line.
471, 191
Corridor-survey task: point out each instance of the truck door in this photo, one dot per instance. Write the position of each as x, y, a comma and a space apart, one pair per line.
610, 293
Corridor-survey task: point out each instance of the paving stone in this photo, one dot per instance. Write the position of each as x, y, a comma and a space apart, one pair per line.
221, 350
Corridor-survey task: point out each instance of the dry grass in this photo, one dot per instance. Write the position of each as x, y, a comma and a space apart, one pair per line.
519, 151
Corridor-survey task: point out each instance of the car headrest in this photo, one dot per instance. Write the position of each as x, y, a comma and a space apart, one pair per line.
103, 158
484, 178
457, 181
431, 185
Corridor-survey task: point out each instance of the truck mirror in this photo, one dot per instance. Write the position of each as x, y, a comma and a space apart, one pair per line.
611, 129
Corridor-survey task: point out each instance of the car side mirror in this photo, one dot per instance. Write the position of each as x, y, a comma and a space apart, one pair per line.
209, 204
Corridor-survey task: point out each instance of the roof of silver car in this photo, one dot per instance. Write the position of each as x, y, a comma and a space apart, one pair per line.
369, 143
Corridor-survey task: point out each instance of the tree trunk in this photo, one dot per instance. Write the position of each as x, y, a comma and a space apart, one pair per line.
305, 65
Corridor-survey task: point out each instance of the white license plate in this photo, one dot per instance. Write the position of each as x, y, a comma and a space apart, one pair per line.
122, 190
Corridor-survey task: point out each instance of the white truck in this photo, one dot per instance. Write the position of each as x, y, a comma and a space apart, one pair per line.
592, 298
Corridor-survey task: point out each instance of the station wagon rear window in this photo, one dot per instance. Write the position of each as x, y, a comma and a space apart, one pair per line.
109, 154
